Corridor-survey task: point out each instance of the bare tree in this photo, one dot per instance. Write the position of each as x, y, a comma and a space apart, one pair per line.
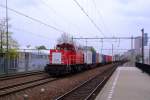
2, 28
65, 38
12, 44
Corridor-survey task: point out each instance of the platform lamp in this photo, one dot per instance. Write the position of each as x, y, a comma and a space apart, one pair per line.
142, 30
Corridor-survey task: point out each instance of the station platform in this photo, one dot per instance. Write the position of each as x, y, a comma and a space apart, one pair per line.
126, 83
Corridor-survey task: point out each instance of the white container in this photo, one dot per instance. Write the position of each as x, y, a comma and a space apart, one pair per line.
88, 57
100, 58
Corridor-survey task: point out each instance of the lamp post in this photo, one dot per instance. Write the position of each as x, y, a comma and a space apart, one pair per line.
142, 45
112, 53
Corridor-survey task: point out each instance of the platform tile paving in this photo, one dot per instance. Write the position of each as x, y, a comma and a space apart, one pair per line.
127, 83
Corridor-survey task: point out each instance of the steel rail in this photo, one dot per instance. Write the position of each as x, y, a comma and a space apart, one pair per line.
99, 87
101, 75
22, 83
18, 75
25, 86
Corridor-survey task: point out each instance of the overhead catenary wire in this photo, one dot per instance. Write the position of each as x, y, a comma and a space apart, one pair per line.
92, 21
100, 14
50, 10
33, 19
31, 33
54, 11
66, 20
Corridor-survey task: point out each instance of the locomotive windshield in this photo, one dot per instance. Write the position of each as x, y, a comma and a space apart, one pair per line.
65, 46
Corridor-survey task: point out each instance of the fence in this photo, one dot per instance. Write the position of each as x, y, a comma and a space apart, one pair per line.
143, 67
26, 60
2, 63
7, 64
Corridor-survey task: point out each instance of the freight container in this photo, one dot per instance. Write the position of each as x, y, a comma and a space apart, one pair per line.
87, 57
97, 58
94, 57
100, 58
116, 57
109, 58
103, 59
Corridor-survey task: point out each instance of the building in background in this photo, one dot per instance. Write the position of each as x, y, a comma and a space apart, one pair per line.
138, 44
138, 48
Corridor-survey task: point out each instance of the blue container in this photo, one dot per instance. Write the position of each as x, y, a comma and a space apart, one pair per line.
93, 57
103, 59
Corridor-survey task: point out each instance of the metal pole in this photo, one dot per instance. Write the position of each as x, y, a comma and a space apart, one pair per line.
131, 42
142, 46
102, 46
7, 25
72, 39
1, 41
86, 51
149, 53
112, 52
132, 53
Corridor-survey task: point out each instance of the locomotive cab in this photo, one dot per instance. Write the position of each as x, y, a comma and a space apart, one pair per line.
63, 54
64, 59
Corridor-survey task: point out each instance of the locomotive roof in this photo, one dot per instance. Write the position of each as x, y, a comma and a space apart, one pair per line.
66, 45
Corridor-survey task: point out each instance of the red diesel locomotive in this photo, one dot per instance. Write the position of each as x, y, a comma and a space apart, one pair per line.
66, 58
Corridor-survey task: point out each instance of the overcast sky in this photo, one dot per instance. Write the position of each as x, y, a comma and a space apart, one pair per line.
113, 17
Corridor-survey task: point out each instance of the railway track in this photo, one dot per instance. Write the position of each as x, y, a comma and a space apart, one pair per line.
19, 75
89, 88
26, 85
6, 91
